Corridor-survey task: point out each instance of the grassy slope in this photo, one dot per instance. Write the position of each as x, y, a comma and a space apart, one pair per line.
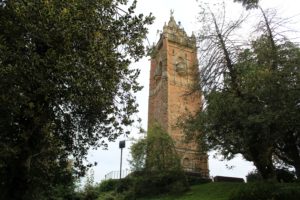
209, 191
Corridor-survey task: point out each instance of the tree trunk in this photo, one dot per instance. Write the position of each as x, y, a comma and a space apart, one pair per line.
297, 169
20, 183
289, 153
266, 170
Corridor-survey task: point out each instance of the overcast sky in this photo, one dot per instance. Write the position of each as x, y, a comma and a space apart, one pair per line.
185, 11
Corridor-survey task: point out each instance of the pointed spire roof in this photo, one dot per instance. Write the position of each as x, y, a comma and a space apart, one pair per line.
176, 33
172, 22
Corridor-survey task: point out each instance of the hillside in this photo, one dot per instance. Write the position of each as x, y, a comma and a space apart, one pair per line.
209, 191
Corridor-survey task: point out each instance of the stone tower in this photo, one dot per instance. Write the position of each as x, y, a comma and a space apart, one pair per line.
173, 70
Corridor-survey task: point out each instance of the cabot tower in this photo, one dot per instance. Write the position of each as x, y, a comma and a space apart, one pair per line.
173, 73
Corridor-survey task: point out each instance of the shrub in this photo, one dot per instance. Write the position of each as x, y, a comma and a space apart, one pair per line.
254, 176
228, 179
177, 187
108, 185
150, 183
124, 185
282, 175
157, 182
257, 191
288, 193
196, 178
159, 172
110, 196
267, 191
285, 175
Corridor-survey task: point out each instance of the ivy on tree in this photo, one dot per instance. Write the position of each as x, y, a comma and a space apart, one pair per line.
65, 86
156, 152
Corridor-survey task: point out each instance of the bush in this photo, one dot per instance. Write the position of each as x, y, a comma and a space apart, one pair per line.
108, 185
257, 191
90, 193
150, 183
111, 196
285, 175
160, 171
282, 175
254, 176
267, 191
228, 179
288, 193
155, 183
177, 187
196, 178
125, 184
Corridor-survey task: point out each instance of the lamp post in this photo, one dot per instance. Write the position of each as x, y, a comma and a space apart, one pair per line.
121, 146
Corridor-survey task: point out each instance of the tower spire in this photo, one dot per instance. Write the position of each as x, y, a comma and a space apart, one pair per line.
171, 13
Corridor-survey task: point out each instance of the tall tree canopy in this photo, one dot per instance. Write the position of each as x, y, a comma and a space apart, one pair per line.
252, 95
65, 85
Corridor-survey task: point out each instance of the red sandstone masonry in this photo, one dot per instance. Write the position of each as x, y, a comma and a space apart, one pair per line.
173, 68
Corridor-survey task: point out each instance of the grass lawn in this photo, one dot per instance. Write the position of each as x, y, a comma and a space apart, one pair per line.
209, 191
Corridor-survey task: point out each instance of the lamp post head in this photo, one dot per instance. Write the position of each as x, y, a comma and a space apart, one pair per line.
122, 144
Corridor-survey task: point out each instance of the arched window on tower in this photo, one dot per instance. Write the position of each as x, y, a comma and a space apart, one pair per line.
180, 66
158, 71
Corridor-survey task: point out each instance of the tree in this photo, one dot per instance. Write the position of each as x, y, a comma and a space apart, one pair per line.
249, 4
217, 49
287, 148
65, 86
161, 153
257, 82
138, 152
156, 165
274, 52
156, 152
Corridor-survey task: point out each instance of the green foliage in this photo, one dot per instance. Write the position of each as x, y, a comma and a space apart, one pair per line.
192, 180
161, 153
236, 129
108, 185
209, 191
151, 183
261, 85
284, 175
267, 191
253, 176
156, 152
138, 152
107, 196
64, 191
157, 166
65, 85
233, 191
104, 190
90, 190
125, 184
255, 122
196, 178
